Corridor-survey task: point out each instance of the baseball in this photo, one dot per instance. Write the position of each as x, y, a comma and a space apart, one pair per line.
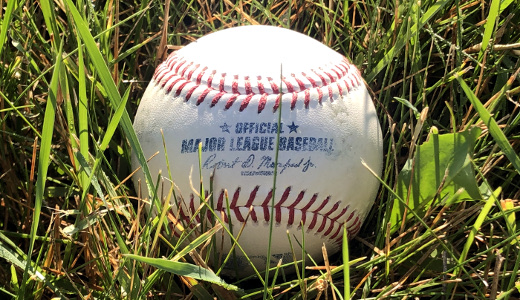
225, 91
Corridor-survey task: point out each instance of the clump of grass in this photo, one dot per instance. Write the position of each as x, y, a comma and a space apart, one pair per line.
71, 76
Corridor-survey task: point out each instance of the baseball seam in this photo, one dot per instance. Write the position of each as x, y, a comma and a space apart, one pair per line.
318, 221
198, 83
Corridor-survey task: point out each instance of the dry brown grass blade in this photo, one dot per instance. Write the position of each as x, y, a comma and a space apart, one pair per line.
161, 49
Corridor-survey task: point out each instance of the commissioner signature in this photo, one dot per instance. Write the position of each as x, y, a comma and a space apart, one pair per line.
258, 163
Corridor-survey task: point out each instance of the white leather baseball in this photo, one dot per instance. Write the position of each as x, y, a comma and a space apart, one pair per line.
222, 91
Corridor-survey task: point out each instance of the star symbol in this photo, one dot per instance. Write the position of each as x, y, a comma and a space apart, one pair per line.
293, 127
225, 127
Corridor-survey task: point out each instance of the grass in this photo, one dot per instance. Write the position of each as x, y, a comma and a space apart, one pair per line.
445, 80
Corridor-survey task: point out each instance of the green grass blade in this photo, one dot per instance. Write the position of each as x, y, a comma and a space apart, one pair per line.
401, 42
492, 125
197, 242
183, 269
109, 86
6, 22
12, 256
43, 163
82, 112
50, 21
489, 27
476, 228
15, 256
346, 265
18, 111
116, 118
271, 219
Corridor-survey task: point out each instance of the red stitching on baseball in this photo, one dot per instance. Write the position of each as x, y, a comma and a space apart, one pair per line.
236, 209
175, 73
344, 66
321, 221
338, 230
262, 102
307, 99
188, 94
340, 90
333, 209
231, 101
234, 85
289, 85
179, 89
252, 196
323, 204
322, 226
323, 79
158, 70
276, 103
203, 96
245, 102
327, 232
344, 211
171, 61
190, 73
298, 200
265, 206
338, 74
278, 206
293, 100
285, 195
181, 63
261, 89
313, 222
274, 86
199, 76
331, 77
247, 85
347, 84
310, 79
210, 78
185, 69
309, 204
300, 83
350, 217
320, 95
165, 80
249, 203
221, 83
169, 89
216, 98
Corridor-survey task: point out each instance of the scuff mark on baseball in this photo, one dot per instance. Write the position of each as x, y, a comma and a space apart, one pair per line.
223, 91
